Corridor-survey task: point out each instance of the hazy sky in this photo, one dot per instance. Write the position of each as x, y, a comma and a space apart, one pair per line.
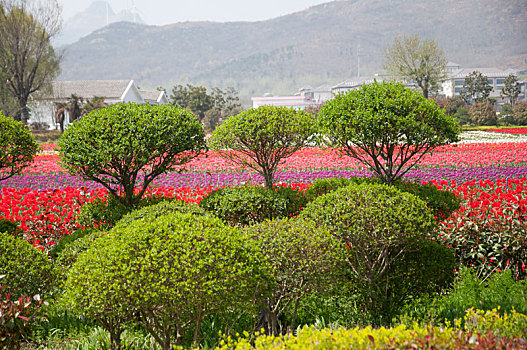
172, 11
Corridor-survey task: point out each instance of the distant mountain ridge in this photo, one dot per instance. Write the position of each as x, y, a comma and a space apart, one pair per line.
316, 46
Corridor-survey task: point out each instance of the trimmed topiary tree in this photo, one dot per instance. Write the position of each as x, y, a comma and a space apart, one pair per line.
27, 271
482, 113
261, 138
17, 147
379, 225
125, 146
386, 127
306, 260
167, 274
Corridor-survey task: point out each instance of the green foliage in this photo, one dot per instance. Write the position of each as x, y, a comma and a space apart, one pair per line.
261, 138
247, 205
462, 116
509, 324
499, 291
306, 260
379, 224
66, 240
17, 147
476, 88
419, 60
386, 126
511, 335
125, 146
167, 274
511, 88
152, 212
442, 203
488, 243
482, 113
27, 271
10, 227
520, 113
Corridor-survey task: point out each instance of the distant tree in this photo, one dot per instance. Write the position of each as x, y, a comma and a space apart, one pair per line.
92, 104
27, 58
17, 147
482, 113
60, 114
128, 145
476, 88
462, 116
414, 59
226, 103
511, 89
520, 113
74, 107
386, 127
194, 98
450, 104
261, 138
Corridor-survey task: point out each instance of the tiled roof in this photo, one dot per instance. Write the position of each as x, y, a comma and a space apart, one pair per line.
149, 95
109, 89
488, 72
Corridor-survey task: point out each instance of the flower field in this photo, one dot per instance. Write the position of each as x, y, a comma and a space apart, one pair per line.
489, 176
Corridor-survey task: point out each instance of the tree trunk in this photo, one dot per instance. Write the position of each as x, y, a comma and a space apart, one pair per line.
24, 113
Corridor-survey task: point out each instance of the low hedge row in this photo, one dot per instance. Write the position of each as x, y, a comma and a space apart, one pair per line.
483, 330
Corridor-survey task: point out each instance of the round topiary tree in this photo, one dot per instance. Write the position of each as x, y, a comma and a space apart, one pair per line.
520, 113
26, 270
379, 225
17, 147
482, 113
125, 146
261, 138
167, 273
386, 127
306, 260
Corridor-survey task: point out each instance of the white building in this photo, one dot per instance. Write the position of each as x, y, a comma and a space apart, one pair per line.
304, 98
42, 108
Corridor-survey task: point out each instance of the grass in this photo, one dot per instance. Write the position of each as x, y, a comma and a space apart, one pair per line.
42, 136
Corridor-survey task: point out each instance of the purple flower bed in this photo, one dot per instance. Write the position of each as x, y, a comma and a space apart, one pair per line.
51, 181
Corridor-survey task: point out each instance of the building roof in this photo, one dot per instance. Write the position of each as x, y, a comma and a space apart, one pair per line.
150, 95
357, 82
109, 89
488, 72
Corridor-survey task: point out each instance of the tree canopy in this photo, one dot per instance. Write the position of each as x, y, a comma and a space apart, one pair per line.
261, 138
414, 59
511, 89
17, 147
27, 59
386, 127
127, 145
476, 88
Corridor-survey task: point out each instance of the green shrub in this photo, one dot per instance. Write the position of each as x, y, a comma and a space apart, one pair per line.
162, 208
482, 113
27, 271
125, 146
306, 260
104, 213
247, 205
379, 224
400, 337
167, 274
296, 200
442, 202
17, 147
65, 241
261, 138
10, 227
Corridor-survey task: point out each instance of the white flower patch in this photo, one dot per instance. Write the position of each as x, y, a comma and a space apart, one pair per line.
490, 137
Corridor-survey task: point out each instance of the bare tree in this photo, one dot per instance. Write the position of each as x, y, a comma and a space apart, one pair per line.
27, 58
415, 59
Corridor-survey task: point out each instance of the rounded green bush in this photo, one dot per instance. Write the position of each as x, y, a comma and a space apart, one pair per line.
162, 208
307, 260
26, 270
169, 273
379, 224
441, 202
17, 147
247, 205
10, 227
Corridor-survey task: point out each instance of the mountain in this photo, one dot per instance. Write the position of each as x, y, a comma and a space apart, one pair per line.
316, 46
96, 16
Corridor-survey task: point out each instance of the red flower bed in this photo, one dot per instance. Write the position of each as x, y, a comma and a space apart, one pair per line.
510, 130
